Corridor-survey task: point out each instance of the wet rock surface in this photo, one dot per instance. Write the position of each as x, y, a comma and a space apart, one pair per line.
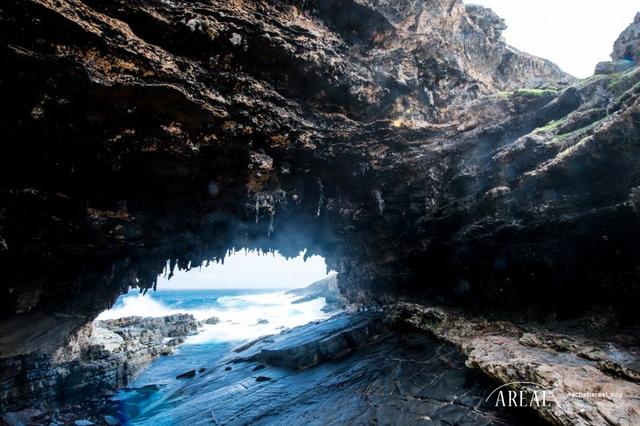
400, 378
323, 341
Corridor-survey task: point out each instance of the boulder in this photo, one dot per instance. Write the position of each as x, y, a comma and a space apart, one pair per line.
613, 67
212, 320
20, 418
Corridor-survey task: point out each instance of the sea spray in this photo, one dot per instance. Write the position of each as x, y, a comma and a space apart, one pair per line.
242, 314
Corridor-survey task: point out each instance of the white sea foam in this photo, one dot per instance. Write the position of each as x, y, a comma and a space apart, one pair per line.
137, 305
239, 315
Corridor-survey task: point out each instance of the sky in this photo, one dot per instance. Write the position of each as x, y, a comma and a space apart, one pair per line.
575, 34
250, 270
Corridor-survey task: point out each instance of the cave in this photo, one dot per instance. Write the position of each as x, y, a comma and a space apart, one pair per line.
477, 203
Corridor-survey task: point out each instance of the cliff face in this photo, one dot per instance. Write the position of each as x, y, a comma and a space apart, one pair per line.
402, 140
627, 46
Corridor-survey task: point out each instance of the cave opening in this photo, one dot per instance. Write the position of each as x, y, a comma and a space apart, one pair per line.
215, 307
480, 205
247, 294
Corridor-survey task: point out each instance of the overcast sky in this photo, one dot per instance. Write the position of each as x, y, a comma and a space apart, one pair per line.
575, 34
250, 270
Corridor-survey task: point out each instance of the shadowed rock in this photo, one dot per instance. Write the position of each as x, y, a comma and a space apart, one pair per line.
332, 339
187, 375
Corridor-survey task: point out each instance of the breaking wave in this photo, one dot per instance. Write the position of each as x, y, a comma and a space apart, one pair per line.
241, 316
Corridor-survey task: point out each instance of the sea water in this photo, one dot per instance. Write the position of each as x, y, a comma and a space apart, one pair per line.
241, 314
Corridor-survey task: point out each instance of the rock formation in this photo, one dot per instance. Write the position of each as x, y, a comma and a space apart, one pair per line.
326, 288
626, 51
627, 46
288, 126
593, 379
102, 357
403, 140
407, 377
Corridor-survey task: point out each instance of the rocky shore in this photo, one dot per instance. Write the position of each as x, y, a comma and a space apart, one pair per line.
78, 378
326, 288
408, 362
350, 369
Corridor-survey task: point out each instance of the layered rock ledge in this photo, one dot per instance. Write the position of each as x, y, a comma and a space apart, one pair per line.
594, 377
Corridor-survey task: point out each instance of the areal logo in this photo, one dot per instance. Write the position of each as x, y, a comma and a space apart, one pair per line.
529, 395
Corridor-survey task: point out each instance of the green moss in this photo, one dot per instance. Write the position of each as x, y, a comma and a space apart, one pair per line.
535, 93
550, 126
627, 94
614, 80
582, 83
591, 79
622, 78
560, 136
579, 132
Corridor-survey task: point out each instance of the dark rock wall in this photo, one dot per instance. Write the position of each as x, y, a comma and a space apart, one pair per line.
404, 141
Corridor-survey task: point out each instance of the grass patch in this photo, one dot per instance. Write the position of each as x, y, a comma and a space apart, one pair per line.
579, 115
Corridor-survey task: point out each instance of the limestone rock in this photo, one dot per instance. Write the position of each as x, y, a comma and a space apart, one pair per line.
402, 140
324, 341
401, 378
586, 390
327, 288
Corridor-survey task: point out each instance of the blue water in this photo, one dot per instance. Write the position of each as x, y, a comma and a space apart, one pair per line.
190, 300
192, 356
241, 314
